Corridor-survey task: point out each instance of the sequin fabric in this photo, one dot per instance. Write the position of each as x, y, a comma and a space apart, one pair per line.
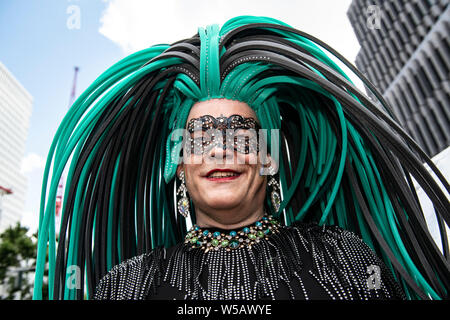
339, 264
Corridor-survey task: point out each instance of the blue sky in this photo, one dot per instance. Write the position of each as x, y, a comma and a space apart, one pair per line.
41, 51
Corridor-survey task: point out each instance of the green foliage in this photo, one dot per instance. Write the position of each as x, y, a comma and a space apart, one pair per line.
17, 262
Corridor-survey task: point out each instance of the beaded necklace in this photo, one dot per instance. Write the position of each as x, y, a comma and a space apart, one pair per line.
246, 237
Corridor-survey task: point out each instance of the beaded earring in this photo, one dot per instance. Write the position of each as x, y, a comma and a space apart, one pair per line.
275, 197
275, 193
183, 203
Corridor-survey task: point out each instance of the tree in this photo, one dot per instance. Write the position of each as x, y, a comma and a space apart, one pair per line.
18, 253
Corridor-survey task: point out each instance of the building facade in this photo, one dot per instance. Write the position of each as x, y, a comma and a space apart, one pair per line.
405, 53
15, 113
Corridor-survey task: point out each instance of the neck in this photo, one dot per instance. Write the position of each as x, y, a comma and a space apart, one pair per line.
228, 219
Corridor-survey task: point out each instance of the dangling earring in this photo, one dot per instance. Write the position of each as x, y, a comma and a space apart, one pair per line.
275, 193
183, 203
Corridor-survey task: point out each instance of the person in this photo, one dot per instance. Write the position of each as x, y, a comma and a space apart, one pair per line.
240, 163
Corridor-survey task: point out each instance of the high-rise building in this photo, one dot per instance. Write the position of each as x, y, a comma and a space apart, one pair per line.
405, 53
15, 113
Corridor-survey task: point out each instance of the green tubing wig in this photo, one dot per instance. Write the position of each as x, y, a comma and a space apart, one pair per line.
344, 159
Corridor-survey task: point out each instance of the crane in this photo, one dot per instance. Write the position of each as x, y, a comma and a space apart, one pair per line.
59, 194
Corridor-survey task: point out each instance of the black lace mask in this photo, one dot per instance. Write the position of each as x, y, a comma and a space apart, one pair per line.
236, 131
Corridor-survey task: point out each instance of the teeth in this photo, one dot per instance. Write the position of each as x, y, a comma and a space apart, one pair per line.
219, 174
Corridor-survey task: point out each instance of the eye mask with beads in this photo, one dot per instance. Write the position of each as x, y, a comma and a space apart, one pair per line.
236, 132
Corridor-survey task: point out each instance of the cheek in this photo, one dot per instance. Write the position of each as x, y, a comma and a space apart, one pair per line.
191, 173
250, 159
192, 159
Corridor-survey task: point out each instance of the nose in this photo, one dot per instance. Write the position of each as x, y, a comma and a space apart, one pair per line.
220, 151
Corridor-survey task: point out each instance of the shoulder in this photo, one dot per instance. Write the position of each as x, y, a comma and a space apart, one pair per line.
131, 279
325, 235
329, 235
344, 254
337, 242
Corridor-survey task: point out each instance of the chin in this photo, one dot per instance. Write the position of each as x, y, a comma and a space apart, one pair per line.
223, 201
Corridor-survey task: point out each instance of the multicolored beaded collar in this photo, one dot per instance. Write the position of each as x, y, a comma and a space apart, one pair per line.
246, 237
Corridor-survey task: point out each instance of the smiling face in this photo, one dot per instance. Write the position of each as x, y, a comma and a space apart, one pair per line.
224, 185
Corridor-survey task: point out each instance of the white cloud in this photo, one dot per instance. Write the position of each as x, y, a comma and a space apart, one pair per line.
30, 219
31, 162
32, 166
137, 24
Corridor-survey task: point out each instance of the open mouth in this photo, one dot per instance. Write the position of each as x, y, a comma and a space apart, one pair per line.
222, 175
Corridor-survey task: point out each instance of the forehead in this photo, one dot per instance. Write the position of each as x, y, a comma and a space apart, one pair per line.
221, 107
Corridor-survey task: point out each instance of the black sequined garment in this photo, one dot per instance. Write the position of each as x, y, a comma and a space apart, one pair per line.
302, 261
